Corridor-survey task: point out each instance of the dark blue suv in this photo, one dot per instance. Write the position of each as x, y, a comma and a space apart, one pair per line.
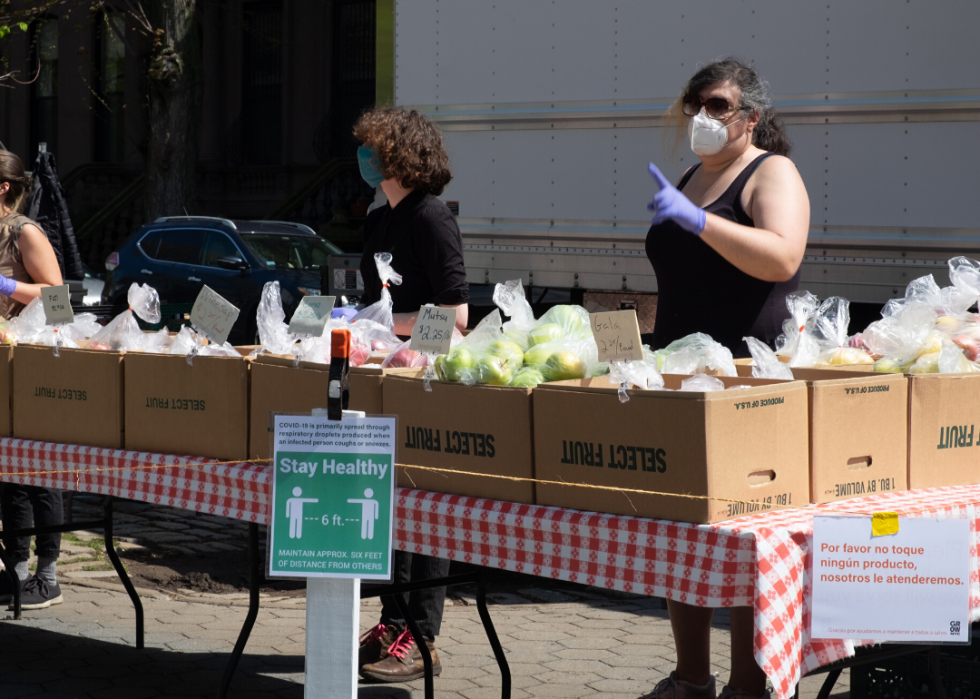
178, 255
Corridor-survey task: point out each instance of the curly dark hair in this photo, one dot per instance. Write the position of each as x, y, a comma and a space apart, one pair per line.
409, 145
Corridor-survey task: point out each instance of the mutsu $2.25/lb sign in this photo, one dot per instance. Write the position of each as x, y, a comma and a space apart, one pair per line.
333, 494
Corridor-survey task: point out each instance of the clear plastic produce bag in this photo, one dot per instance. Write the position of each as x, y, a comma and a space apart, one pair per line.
695, 354
642, 375
380, 311
561, 323
486, 356
796, 342
702, 383
767, 364
123, 332
274, 335
829, 328
898, 340
191, 344
510, 299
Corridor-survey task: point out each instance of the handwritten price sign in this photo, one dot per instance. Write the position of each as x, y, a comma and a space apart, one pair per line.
433, 330
213, 315
311, 315
617, 334
57, 305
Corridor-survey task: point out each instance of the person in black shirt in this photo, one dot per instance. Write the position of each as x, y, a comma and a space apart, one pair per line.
404, 153
414, 226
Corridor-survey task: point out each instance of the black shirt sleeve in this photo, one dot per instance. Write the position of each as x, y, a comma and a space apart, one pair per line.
439, 246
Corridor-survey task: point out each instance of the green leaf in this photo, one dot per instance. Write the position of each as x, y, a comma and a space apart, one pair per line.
22, 26
4, 30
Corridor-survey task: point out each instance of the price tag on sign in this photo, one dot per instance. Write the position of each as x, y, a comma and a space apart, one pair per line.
213, 315
57, 305
312, 315
433, 330
617, 334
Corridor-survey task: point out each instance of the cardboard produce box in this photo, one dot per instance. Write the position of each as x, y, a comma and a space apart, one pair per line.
749, 445
943, 423
6, 390
198, 409
75, 398
471, 429
277, 386
944, 430
858, 432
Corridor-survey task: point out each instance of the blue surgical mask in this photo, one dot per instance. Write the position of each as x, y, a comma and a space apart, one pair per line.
367, 161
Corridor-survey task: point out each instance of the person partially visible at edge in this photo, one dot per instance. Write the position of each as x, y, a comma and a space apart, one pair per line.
27, 265
726, 245
403, 152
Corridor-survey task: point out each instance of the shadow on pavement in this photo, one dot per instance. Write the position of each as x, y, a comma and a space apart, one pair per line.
48, 664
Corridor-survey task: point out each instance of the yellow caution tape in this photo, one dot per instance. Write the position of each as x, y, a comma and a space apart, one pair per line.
884, 523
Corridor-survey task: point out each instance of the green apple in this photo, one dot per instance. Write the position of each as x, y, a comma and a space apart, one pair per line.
546, 332
537, 356
458, 363
495, 371
563, 365
527, 378
574, 320
505, 349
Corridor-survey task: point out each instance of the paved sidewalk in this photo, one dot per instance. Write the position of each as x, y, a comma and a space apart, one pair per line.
561, 640
584, 648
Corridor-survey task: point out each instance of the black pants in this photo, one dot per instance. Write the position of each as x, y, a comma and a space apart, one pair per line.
425, 606
25, 506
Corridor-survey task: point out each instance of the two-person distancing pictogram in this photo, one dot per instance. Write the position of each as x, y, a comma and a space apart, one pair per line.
370, 511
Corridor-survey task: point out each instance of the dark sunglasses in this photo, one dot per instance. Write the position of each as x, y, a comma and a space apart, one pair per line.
715, 107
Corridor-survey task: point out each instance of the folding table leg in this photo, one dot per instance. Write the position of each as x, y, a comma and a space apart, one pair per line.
254, 575
498, 650
828, 684
117, 564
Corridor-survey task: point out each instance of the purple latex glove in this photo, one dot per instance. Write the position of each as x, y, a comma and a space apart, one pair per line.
342, 312
670, 204
7, 285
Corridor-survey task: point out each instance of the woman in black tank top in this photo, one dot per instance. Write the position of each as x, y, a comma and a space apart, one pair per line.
726, 252
729, 278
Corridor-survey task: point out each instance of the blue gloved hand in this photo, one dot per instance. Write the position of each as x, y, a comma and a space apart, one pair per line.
670, 204
343, 312
7, 285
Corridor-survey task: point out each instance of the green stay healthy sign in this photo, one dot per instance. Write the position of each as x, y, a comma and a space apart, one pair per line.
332, 497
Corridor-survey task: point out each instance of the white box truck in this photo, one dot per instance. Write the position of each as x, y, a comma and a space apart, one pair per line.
552, 109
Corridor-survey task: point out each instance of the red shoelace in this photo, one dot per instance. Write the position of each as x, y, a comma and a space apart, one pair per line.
374, 633
402, 645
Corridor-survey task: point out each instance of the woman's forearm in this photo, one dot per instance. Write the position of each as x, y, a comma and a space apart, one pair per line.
25, 293
758, 252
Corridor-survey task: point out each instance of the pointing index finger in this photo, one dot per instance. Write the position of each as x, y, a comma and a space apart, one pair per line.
658, 176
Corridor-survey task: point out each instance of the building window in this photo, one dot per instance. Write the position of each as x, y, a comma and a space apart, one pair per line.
111, 102
44, 90
262, 83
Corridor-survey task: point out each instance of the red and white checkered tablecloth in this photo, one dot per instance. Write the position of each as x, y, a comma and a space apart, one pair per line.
762, 560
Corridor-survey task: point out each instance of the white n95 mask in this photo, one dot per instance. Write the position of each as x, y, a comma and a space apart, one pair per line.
708, 136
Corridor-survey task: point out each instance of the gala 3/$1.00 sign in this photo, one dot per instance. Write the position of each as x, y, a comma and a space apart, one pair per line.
333, 492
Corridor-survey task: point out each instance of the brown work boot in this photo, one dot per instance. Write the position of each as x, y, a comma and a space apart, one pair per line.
673, 688
374, 644
404, 661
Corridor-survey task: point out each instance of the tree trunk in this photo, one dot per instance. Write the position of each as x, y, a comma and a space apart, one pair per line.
175, 85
